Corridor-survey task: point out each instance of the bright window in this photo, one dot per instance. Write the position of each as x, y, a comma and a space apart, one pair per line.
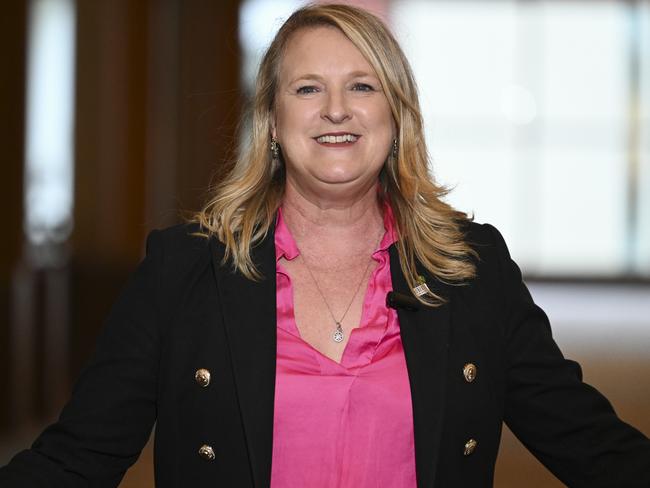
537, 113
49, 166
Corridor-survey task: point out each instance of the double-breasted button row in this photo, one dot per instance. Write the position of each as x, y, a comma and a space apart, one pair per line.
469, 373
202, 377
206, 452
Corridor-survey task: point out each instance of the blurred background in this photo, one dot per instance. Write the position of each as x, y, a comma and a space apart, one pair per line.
117, 115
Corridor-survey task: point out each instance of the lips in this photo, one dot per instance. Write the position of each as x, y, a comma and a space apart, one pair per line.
337, 138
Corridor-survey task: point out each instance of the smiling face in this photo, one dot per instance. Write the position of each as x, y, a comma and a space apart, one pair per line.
331, 117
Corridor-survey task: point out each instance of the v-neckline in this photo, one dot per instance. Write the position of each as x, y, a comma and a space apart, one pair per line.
294, 330
347, 365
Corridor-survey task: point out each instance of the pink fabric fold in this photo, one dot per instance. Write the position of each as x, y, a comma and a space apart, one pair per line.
348, 424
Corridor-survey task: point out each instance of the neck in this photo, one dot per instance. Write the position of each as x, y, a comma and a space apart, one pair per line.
322, 220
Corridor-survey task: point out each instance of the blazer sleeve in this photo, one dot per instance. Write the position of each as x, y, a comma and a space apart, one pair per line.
108, 420
568, 425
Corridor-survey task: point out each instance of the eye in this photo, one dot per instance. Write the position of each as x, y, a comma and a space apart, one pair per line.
306, 90
362, 87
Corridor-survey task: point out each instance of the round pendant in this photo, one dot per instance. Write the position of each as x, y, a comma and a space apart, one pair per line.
338, 334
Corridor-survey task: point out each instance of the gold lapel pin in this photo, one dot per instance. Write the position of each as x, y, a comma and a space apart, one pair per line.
421, 288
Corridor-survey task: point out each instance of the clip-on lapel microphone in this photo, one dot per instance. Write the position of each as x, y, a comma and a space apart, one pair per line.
399, 300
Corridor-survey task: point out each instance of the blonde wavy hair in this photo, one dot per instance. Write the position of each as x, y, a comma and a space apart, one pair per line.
243, 205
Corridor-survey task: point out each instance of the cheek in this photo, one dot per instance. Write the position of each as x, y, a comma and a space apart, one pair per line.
384, 129
281, 114
379, 117
387, 122
293, 118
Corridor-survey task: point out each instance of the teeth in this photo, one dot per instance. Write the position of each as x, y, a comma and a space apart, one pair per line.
336, 139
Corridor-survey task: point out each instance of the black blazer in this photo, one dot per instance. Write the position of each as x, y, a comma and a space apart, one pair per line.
183, 310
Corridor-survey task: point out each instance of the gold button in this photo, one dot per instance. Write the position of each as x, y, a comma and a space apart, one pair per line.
202, 377
206, 452
469, 372
470, 447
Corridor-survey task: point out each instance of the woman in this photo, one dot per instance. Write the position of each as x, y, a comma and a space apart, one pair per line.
248, 337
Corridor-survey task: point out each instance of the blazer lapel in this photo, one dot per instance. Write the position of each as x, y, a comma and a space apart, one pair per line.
425, 335
249, 316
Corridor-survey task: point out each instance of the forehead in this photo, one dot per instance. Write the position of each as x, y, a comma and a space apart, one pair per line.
321, 50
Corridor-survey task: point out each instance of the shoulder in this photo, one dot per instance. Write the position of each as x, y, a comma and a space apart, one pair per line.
488, 244
182, 238
482, 237
181, 249
497, 275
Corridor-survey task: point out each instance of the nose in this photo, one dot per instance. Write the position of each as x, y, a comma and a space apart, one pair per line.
335, 108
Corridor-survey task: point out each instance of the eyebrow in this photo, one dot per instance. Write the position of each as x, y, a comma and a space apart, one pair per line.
313, 76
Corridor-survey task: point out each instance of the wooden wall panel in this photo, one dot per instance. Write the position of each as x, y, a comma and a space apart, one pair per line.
110, 130
12, 93
157, 105
156, 108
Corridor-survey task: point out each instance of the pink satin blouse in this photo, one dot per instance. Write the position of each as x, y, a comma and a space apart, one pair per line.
348, 424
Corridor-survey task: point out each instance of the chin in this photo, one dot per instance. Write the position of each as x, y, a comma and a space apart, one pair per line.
345, 182
336, 177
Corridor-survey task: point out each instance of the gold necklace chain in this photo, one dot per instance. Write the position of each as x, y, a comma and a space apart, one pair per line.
338, 335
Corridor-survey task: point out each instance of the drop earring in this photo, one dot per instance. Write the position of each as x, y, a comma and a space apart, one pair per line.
275, 149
